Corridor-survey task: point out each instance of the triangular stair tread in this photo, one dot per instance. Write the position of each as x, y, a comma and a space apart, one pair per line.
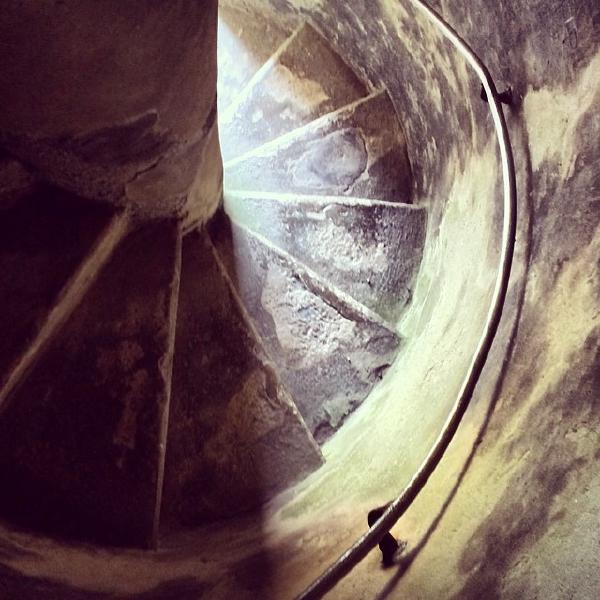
45, 236
359, 150
235, 436
82, 441
303, 80
328, 350
371, 250
243, 48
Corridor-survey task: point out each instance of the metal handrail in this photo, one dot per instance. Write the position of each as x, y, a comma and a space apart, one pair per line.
359, 550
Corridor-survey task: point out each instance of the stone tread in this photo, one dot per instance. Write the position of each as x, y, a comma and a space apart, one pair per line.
243, 48
369, 249
328, 350
82, 441
45, 235
302, 81
359, 150
235, 436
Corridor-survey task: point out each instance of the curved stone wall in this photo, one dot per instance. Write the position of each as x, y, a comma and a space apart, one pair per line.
509, 508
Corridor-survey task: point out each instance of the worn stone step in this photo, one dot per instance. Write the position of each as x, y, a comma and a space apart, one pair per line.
328, 349
302, 81
52, 243
235, 437
245, 42
82, 441
369, 249
359, 151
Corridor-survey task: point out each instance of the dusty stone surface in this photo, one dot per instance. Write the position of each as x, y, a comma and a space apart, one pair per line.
81, 440
389, 45
235, 437
45, 233
305, 79
245, 43
371, 251
329, 350
133, 101
357, 151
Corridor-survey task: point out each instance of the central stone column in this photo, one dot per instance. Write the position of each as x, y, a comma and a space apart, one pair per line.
115, 101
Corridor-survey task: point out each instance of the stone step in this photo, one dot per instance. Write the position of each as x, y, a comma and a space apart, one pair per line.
369, 249
245, 42
357, 151
235, 436
303, 80
328, 349
82, 440
52, 244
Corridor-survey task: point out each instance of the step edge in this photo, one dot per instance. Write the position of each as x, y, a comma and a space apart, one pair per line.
266, 358
244, 214
166, 369
321, 199
316, 282
68, 299
260, 75
298, 132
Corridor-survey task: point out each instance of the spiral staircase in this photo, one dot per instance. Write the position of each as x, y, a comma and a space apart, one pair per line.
150, 395
156, 376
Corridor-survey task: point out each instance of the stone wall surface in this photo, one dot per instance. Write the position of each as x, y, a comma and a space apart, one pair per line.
113, 101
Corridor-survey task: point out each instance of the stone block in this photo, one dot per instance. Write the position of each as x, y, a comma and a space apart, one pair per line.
371, 250
357, 151
328, 350
235, 437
